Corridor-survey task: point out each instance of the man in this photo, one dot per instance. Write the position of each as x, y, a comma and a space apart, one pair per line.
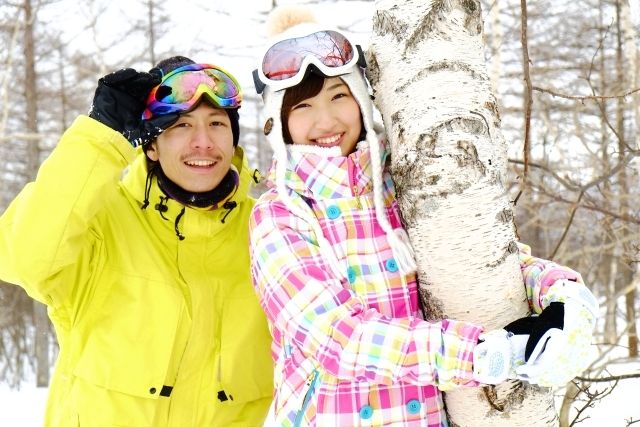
141, 256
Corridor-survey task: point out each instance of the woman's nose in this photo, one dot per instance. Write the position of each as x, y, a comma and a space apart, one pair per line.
326, 119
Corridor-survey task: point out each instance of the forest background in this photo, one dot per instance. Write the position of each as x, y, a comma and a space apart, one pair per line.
578, 204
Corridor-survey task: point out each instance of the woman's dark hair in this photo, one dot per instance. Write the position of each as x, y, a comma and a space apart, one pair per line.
309, 87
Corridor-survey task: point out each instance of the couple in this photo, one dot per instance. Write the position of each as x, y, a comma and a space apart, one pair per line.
170, 289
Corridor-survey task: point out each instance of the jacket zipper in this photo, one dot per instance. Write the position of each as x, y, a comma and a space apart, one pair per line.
313, 379
352, 181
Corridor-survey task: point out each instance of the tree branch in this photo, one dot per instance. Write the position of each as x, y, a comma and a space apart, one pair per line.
528, 99
574, 208
610, 378
584, 98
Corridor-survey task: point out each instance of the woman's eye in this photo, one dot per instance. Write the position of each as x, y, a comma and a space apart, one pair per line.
299, 106
340, 95
216, 123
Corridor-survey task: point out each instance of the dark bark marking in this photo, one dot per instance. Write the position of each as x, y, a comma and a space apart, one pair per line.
431, 305
385, 23
505, 215
444, 66
511, 248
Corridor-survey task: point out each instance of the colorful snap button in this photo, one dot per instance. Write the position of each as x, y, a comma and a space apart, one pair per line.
333, 212
413, 406
366, 412
392, 265
351, 274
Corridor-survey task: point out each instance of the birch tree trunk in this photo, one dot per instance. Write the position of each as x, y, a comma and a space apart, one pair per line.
449, 163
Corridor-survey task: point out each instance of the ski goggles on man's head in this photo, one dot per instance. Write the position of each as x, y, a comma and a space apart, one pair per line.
285, 63
181, 89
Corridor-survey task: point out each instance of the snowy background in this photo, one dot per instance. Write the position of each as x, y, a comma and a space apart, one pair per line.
237, 27
25, 407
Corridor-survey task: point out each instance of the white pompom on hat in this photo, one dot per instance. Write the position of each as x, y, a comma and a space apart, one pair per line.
296, 21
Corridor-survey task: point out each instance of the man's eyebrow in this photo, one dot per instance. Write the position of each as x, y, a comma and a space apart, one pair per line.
213, 112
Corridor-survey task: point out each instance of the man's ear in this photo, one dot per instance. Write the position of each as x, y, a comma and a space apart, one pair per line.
152, 151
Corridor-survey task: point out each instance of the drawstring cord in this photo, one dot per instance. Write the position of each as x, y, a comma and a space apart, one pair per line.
229, 206
162, 207
175, 225
147, 187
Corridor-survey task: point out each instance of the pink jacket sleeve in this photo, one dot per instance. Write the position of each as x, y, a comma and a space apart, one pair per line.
539, 274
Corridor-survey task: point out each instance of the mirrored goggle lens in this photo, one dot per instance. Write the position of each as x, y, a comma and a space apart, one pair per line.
184, 87
284, 59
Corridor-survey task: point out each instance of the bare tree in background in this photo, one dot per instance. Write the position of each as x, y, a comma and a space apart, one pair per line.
42, 89
583, 135
157, 20
626, 74
40, 320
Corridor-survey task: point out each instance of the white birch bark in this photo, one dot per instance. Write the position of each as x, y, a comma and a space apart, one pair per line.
449, 162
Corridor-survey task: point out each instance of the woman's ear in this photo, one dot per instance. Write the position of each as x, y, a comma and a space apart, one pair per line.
152, 151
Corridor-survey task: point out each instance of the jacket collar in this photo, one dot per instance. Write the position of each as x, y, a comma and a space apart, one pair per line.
312, 173
183, 220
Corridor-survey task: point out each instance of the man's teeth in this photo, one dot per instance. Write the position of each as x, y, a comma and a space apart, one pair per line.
328, 141
199, 162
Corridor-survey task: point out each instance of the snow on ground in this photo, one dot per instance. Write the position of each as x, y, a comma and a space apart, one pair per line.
25, 408
22, 408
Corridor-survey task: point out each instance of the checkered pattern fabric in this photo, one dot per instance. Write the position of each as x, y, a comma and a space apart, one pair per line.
352, 348
378, 362
540, 275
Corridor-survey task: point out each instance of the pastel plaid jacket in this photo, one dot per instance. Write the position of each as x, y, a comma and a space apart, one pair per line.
354, 349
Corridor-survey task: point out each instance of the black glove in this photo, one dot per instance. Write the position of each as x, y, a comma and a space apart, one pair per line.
537, 327
120, 99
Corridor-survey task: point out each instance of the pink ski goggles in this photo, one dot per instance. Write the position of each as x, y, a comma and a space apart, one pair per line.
285, 63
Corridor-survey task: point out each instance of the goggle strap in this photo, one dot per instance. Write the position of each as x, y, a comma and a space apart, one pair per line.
362, 61
259, 85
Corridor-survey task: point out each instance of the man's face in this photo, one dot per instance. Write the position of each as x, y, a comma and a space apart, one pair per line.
196, 151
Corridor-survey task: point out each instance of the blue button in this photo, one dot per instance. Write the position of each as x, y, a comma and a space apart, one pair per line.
333, 212
351, 274
413, 406
366, 412
392, 265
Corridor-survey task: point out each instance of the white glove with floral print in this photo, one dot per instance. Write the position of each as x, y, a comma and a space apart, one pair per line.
549, 349
560, 339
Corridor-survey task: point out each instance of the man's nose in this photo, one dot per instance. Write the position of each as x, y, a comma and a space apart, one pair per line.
201, 138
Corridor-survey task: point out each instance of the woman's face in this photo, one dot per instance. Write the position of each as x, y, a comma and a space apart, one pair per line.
196, 151
329, 119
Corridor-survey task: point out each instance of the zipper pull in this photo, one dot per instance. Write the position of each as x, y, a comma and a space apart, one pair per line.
355, 193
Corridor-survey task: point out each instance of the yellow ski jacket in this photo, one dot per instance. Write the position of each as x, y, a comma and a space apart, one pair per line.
153, 330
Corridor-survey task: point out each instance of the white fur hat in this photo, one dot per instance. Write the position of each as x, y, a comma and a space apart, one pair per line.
294, 22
